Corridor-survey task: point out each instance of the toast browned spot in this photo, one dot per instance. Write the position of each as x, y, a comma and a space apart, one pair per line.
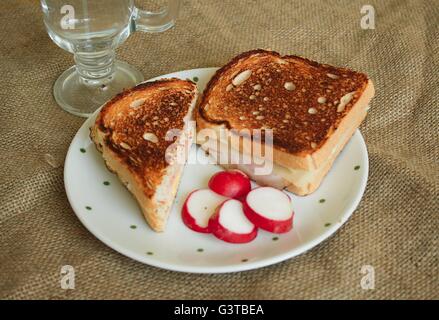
312, 108
130, 132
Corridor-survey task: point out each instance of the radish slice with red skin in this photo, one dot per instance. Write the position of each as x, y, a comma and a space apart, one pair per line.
230, 224
269, 209
231, 183
199, 206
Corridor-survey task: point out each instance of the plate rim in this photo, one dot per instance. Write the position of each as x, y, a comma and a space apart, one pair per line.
302, 248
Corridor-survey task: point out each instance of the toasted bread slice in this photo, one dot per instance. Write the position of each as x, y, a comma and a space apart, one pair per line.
131, 133
304, 102
312, 108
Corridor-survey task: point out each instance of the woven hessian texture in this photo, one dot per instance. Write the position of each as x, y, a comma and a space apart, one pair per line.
395, 228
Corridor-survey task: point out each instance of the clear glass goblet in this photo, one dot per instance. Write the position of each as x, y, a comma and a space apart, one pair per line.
92, 30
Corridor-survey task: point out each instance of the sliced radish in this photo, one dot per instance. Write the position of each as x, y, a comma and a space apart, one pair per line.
230, 183
269, 209
230, 224
199, 206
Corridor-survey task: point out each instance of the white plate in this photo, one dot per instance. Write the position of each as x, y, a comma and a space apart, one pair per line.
112, 215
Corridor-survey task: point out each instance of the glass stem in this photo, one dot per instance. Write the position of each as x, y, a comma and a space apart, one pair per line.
95, 68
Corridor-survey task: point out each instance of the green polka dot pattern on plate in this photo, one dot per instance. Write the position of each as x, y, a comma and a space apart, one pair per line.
149, 253
88, 207
195, 79
357, 167
82, 150
133, 226
327, 224
106, 183
322, 200
275, 238
200, 250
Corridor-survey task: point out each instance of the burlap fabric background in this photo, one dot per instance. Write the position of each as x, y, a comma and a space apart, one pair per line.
395, 229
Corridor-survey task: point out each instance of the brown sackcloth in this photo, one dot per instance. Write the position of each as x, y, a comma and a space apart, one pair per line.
395, 229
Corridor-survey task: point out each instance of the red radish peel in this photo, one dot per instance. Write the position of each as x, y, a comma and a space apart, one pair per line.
199, 206
230, 224
269, 209
231, 183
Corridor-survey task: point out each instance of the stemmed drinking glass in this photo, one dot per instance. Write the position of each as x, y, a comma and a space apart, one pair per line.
92, 30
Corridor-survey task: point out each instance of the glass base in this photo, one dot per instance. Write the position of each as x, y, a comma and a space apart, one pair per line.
82, 98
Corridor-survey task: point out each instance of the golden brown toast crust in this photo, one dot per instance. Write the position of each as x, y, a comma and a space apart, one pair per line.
303, 116
125, 122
